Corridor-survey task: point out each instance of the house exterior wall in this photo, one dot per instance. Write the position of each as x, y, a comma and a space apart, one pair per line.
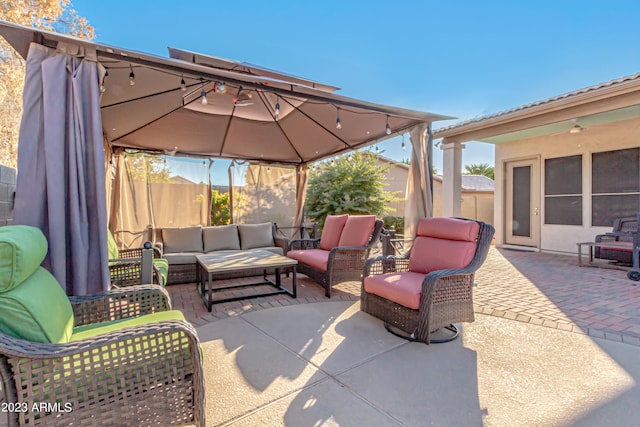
598, 138
396, 181
475, 205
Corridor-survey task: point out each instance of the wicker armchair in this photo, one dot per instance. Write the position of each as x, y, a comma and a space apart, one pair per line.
343, 262
430, 287
127, 266
624, 230
119, 358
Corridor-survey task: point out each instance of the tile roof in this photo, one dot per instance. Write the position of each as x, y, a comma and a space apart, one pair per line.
599, 86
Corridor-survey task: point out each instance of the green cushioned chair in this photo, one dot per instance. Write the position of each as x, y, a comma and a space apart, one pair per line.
125, 265
119, 358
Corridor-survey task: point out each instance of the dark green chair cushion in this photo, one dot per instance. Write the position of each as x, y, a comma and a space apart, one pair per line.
89, 331
37, 310
163, 266
22, 249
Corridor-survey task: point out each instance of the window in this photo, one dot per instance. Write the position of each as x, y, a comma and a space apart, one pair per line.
563, 190
615, 185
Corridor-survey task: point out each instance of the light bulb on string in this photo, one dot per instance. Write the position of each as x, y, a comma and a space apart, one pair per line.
103, 89
203, 96
404, 147
183, 84
377, 149
276, 113
132, 77
388, 128
338, 122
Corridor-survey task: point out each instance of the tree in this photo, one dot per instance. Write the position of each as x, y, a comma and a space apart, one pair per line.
56, 15
479, 169
350, 184
220, 212
146, 168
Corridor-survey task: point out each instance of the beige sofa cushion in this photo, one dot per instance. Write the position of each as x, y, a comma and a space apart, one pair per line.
182, 239
220, 237
256, 235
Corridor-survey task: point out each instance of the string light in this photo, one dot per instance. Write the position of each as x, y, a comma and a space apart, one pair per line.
388, 131
103, 89
183, 84
277, 110
203, 95
220, 87
132, 77
377, 149
404, 147
338, 122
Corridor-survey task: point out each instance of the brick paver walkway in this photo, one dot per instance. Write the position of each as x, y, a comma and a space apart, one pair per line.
538, 288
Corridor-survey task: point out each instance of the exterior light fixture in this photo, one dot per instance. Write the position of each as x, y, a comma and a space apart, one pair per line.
576, 129
338, 122
183, 84
276, 113
404, 147
388, 128
132, 77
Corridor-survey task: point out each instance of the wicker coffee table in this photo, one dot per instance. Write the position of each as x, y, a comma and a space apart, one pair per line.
211, 264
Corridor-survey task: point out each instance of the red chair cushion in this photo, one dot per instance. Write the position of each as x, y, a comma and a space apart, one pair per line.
357, 231
316, 258
332, 230
402, 288
429, 254
443, 243
449, 228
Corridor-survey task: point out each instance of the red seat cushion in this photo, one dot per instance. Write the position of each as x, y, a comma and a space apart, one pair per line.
332, 230
316, 258
402, 288
357, 231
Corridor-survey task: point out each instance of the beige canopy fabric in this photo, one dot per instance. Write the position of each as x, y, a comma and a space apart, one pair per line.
419, 196
198, 105
144, 105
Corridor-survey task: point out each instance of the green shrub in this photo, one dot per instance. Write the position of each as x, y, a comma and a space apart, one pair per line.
352, 184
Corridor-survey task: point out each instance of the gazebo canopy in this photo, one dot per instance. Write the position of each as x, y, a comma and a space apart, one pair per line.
155, 103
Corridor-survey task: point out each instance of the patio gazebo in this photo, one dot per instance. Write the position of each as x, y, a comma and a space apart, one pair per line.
91, 96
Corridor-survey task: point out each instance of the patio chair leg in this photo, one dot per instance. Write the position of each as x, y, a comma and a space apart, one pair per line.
453, 333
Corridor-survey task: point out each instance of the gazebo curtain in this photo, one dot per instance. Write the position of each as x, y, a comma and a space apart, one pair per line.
60, 186
419, 197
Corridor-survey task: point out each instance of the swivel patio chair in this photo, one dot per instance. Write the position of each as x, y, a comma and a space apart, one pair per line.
127, 266
119, 358
430, 288
339, 254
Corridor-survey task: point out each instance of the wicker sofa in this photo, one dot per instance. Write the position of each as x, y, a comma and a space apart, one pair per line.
180, 245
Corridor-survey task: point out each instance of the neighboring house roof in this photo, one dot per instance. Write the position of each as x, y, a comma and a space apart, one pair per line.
474, 183
177, 179
392, 162
606, 102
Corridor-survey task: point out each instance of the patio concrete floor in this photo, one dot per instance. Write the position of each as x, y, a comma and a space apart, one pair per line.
553, 344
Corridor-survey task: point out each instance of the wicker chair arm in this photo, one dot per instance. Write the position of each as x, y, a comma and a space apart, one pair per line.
120, 303
282, 242
298, 244
137, 253
386, 264
93, 376
19, 348
130, 253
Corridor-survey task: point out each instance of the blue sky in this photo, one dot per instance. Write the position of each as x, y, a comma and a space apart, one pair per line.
457, 58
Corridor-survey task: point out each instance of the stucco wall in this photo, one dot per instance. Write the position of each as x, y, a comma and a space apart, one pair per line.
607, 137
474, 205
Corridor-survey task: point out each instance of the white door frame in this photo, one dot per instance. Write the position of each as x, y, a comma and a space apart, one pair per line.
531, 236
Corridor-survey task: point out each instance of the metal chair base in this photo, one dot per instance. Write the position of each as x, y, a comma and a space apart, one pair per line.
451, 335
